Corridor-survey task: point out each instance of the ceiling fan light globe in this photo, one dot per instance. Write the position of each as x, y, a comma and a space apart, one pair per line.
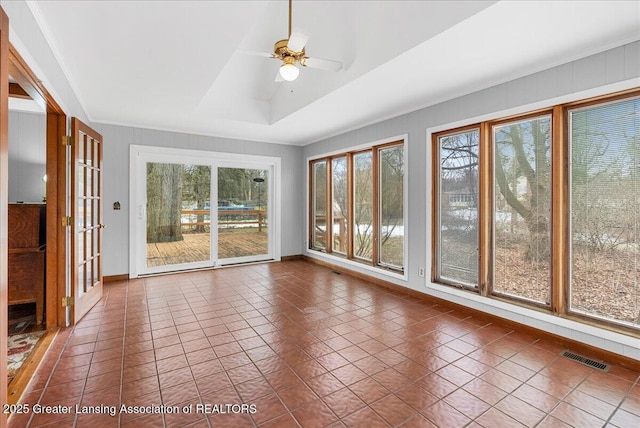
289, 72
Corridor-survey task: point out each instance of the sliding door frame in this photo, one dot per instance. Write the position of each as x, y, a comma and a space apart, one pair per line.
141, 155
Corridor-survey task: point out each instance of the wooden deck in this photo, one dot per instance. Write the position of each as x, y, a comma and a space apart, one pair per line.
195, 247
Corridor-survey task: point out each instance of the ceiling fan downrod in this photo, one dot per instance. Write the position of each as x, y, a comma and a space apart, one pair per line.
290, 8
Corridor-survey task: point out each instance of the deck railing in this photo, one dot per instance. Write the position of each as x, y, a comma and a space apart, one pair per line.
260, 220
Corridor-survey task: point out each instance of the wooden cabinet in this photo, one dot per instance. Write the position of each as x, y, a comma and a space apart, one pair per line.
27, 255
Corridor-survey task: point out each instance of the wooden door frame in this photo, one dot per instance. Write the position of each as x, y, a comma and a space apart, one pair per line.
4, 208
29, 86
56, 129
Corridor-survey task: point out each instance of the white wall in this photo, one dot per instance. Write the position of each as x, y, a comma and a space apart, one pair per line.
27, 156
117, 140
610, 71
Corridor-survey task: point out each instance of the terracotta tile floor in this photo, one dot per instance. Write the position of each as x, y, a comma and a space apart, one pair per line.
303, 346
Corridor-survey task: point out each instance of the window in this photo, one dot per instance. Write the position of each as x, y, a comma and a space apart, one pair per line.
522, 209
366, 214
339, 204
363, 205
605, 211
391, 232
457, 205
319, 205
544, 209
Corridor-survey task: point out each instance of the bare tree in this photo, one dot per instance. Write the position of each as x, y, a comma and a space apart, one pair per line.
197, 187
363, 195
525, 148
164, 200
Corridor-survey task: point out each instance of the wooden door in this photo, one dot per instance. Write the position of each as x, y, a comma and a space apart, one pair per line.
86, 222
4, 187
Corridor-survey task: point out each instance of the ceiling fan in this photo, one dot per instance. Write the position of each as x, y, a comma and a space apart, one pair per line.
291, 51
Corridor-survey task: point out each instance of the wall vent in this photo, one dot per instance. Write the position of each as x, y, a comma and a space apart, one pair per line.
586, 361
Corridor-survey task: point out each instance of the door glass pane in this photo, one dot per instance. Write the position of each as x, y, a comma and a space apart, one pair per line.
178, 214
88, 221
96, 182
319, 209
88, 151
243, 221
81, 214
88, 243
339, 204
81, 179
522, 211
363, 205
457, 228
96, 153
81, 279
89, 183
605, 211
94, 212
80, 225
391, 206
96, 249
89, 275
95, 271
81, 152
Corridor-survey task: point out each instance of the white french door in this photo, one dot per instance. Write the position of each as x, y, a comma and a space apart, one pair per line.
193, 209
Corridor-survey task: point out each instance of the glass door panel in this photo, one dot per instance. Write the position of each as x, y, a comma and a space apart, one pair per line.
178, 214
243, 213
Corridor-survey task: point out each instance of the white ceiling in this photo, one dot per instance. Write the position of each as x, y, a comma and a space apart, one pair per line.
179, 66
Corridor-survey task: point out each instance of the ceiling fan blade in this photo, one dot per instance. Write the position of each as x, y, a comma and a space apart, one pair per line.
255, 53
322, 64
297, 40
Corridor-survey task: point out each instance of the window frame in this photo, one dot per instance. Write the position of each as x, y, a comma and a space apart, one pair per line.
377, 203
312, 201
490, 209
352, 205
376, 206
331, 209
436, 188
560, 216
577, 315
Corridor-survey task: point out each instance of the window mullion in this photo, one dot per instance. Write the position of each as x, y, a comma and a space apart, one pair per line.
375, 250
559, 212
485, 210
350, 216
436, 187
312, 205
329, 208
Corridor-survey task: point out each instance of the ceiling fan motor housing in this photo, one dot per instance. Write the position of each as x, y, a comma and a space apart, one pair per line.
282, 51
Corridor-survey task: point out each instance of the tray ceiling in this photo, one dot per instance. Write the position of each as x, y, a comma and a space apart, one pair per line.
179, 66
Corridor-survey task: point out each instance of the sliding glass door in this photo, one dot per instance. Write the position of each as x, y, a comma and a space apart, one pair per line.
195, 212
243, 207
178, 216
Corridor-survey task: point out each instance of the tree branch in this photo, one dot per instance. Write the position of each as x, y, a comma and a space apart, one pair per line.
507, 193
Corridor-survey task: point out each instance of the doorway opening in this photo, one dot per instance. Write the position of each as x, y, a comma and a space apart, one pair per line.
36, 251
